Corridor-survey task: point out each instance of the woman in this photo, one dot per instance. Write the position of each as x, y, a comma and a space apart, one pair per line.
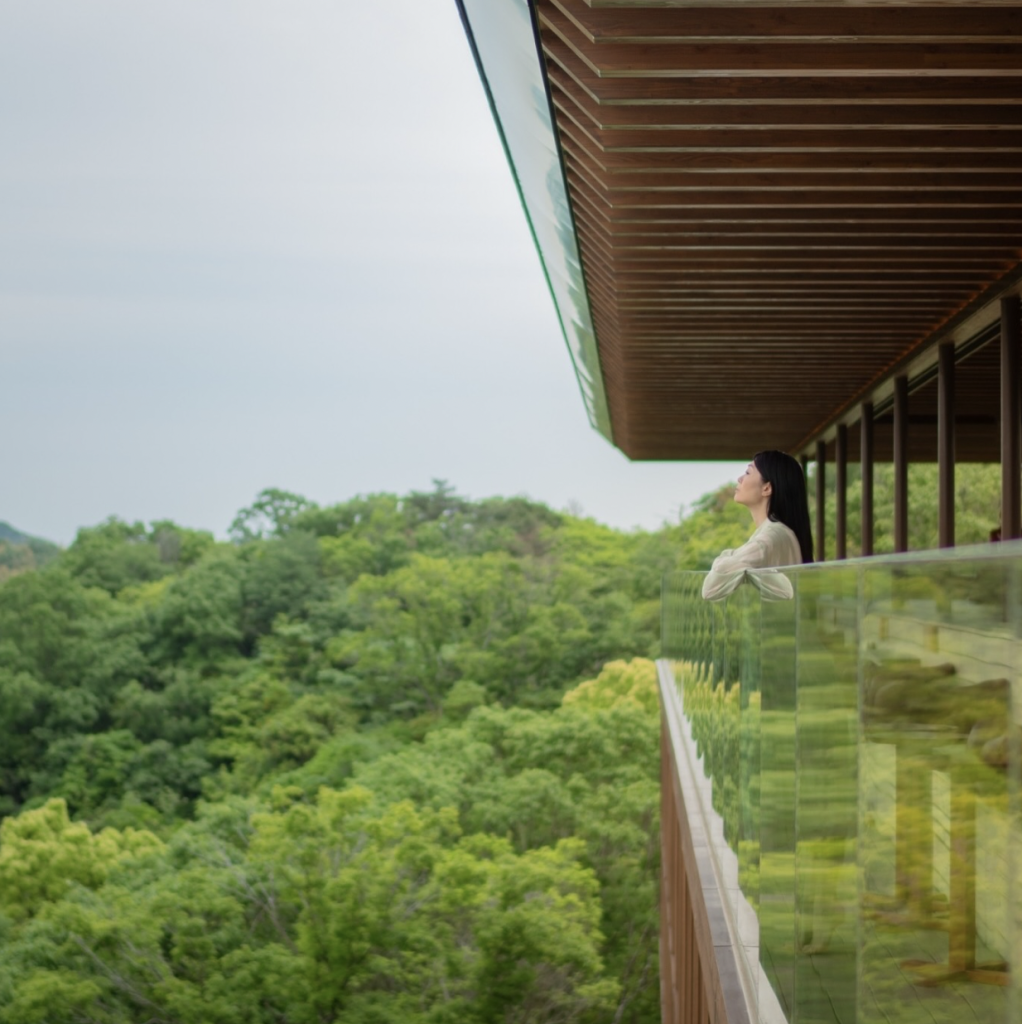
773, 489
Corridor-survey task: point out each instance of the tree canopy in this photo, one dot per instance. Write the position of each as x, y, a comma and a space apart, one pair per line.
393, 759
340, 767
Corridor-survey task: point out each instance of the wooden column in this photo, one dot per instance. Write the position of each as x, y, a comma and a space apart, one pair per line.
841, 485
821, 500
866, 464
901, 463
946, 445
1011, 402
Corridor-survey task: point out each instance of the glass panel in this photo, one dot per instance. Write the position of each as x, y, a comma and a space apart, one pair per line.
862, 746
687, 631
749, 769
735, 762
939, 805
777, 802
826, 902
715, 653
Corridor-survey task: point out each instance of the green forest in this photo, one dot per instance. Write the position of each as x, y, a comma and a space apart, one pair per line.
393, 759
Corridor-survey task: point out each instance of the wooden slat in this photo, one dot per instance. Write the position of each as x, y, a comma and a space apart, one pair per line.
879, 88
900, 23
900, 116
836, 138
735, 56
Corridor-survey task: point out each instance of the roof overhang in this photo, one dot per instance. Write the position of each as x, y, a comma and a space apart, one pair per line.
753, 216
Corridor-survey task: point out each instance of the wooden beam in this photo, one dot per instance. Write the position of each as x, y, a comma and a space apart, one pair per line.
841, 492
901, 463
821, 501
866, 465
1011, 418
946, 445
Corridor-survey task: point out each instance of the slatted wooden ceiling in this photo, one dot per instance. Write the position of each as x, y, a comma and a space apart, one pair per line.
776, 202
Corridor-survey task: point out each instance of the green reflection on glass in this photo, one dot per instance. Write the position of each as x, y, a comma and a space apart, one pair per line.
777, 800
863, 745
938, 802
826, 796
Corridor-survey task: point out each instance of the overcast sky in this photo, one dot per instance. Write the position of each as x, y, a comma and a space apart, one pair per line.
248, 244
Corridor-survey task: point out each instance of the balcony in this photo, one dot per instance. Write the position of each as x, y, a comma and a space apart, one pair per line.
841, 813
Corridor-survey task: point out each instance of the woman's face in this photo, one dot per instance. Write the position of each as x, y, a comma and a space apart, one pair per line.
752, 489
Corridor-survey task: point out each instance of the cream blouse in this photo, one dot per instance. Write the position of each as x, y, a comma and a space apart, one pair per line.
773, 544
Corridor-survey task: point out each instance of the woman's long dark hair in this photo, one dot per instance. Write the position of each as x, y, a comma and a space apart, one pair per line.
789, 503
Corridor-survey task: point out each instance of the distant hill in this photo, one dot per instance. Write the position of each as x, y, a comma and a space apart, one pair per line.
8, 533
21, 551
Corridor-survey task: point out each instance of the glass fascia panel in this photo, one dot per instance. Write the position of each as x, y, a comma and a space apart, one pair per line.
713, 649
503, 39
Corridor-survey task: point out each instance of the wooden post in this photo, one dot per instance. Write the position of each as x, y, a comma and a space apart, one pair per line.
946, 445
821, 500
841, 485
866, 463
901, 463
1011, 404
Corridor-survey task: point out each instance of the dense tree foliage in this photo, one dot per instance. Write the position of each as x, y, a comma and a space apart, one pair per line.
347, 766
977, 505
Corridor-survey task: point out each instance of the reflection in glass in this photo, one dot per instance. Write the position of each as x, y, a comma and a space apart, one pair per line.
777, 802
939, 792
827, 799
861, 745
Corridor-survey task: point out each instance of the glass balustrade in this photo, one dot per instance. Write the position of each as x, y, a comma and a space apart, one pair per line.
859, 744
